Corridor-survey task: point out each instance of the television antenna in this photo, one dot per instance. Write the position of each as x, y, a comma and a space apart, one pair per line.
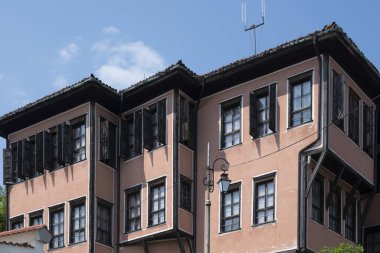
254, 26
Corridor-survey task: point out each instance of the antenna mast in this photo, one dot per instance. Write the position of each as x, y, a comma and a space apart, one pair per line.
254, 26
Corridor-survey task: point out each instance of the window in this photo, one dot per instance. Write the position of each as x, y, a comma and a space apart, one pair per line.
231, 123
335, 211
57, 218
78, 221
353, 117
104, 222
54, 152
372, 240
187, 122
264, 201
79, 141
338, 100
133, 209
300, 100
131, 135
318, 194
185, 194
36, 218
107, 143
350, 220
230, 209
17, 222
157, 202
368, 129
263, 111
155, 125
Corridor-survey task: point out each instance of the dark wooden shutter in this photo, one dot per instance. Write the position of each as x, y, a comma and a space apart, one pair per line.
20, 172
48, 150
67, 146
192, 125
137, 132
59, 144
7, 167
26, 158
104, 140
148, 138
123, 138
39, 152
112, 144
253, 131
272, 107
184, 120
161, 110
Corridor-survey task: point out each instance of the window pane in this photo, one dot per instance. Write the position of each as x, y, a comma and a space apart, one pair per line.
306, 88
297, 91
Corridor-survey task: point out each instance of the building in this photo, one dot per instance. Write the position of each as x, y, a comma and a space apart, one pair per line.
131, 171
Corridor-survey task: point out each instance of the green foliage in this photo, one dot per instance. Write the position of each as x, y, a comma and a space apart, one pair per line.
2, 208
343, 248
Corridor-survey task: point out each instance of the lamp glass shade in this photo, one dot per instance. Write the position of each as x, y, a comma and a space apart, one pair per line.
224, 183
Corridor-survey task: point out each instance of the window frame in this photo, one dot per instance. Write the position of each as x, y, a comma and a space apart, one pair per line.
155, 119
158, 183
234, 187
295, 81
338, 192
36, 215
75, 124
107, 206
338, 92
17, 222
230, 104
265, 179
321, 200
353, 117
135, 148
368, 129
60, 209
81, 202
351, 207
186, 202
127, 193
107, 142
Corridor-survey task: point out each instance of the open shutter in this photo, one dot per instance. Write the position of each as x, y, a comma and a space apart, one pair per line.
161, 110
104, 140
39, 152
123, 138
112, 144
148, 139
20, 172
272, 107
253, 131
27, 158
67, 148
137, 132
192, 125
59, 144
184, 120
47, 151
7, 167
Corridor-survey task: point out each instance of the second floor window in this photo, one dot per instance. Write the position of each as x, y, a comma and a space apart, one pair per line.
368, 129
300, 101
317, 208
187, 122
231, 134
230, 209
154, 121
78, 222
157, 203
57, 229
104, 222
264, 201
350, 220
36, 218
338, 100
131, 135
185, 194
79, 142
335, 211
17, 222
133, 210
353, 117
263, 111
107, 143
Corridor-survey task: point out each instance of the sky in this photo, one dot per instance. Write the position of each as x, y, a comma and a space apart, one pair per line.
46, 45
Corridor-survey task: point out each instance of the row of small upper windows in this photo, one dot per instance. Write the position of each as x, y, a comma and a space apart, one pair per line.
51, 149
263, 107
354, 113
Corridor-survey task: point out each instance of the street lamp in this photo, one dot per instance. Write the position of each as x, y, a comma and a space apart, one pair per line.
224, 184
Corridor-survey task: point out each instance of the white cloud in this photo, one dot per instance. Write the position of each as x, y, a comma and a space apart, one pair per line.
127, 62
60, 81
110, 30
69, 51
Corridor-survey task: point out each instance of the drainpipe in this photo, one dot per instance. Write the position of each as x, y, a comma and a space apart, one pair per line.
318, 146
195, 172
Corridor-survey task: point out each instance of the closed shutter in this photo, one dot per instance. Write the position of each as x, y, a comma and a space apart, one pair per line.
253, 131
148, 138
20, 172
60, 144
272, 107
138, 132
48, 151
26, 158
40, 152
161, 110
67, 148
123, 138
7, 167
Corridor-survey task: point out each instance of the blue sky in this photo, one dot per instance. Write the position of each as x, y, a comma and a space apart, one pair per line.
46, 45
